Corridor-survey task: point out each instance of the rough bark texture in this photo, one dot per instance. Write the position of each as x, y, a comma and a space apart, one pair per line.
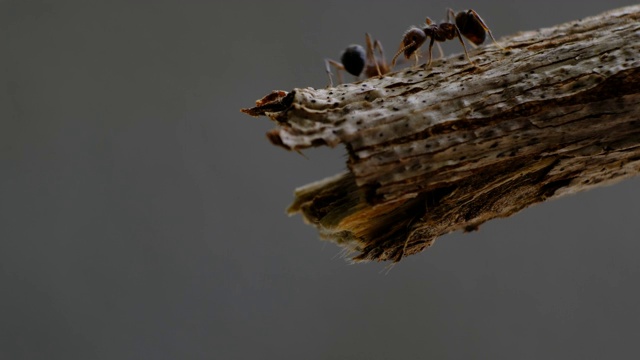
434, 150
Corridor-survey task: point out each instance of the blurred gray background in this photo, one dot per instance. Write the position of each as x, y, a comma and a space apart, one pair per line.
142, 215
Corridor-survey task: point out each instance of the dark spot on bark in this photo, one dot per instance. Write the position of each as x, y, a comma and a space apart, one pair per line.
370, 192
551, 188
470, 228
318, 142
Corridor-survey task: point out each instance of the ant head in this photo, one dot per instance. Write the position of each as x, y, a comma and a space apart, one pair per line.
353, 59
412, 40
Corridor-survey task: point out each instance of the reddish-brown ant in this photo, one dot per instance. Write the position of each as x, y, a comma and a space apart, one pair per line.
356, 61
467, 23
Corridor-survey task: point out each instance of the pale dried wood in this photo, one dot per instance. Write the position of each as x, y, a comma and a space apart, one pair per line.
434, 150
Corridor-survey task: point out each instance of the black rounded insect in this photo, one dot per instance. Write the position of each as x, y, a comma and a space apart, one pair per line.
467, 23
357, 61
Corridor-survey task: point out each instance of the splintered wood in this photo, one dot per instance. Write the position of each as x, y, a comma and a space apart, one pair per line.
446, 148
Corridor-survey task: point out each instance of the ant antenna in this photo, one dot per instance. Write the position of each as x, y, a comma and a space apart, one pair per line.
402, 49
411, 42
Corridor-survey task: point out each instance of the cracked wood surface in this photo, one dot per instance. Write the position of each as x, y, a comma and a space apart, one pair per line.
446, 148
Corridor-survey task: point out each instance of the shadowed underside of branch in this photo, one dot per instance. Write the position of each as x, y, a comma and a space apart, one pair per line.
446, 148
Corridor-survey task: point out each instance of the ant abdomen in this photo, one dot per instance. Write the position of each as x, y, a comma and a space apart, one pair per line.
470, 27
353, 59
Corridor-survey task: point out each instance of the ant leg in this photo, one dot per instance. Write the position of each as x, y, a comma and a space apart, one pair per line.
378, 45
484, 26
339, 67
451, 16
430, 50
440, 50
400, 51
371, 57
463, 45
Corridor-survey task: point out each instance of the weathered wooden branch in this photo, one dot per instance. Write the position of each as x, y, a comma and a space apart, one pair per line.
434, 150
